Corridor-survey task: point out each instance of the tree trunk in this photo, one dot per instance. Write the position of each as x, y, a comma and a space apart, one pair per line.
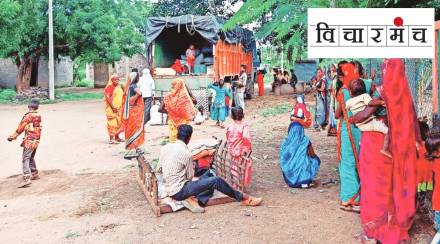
24, 73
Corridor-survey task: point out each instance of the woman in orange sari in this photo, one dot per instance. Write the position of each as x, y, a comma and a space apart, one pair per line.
179, 106
113, 94
133, 118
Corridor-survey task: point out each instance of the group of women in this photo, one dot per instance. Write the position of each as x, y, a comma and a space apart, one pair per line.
125, 113
384, 188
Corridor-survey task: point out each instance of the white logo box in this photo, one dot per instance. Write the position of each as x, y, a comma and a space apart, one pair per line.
370, 33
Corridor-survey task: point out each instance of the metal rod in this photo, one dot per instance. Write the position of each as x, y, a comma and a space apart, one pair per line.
51, 58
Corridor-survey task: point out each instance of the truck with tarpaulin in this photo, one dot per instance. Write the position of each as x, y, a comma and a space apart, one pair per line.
219, 54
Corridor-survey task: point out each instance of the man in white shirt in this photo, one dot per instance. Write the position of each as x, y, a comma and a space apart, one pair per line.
146, 85
241, 87
177, 168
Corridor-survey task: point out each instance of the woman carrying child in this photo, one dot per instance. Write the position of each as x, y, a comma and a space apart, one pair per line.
298, 161
348, 140
388, 185
218, 111
239, 144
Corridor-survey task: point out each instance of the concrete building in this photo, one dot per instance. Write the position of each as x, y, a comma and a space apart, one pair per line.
63, 73
101, 72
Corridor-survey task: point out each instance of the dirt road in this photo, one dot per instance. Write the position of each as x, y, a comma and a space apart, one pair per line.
88, 193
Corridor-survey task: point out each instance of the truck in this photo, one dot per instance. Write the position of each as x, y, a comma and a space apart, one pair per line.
219, 54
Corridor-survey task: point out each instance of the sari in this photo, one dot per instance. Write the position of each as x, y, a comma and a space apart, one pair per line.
133, 119
348, 142
424, 170
115, 93
239, 144
260, 82
179, 106
298, 165
321, 105
332, 104
389, 185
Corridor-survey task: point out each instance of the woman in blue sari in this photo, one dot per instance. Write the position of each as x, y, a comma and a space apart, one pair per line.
298, 161
321, 100
331, 98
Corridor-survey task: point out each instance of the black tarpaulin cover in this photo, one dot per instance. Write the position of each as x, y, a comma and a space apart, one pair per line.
209, 27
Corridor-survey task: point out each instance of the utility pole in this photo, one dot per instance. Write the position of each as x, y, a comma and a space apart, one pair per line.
51, 58
282, 57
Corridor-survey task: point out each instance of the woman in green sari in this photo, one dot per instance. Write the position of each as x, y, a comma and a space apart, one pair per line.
348, 137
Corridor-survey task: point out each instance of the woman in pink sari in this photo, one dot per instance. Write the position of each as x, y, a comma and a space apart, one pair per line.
239, 144
388, 186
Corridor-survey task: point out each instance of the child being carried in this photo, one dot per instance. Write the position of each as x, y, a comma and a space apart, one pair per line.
359, 100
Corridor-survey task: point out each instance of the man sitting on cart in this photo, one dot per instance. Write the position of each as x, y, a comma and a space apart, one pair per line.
177, 168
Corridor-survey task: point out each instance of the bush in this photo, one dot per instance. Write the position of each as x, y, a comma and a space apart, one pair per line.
83, 83
7, 95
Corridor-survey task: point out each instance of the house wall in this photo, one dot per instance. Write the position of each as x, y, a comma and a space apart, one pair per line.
63, 73
101, 72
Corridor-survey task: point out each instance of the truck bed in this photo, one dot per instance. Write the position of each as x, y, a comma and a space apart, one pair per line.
163, 83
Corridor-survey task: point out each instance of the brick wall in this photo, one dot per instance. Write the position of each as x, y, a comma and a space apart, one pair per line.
125, 65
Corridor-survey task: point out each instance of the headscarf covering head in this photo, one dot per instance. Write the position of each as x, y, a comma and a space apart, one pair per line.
111, 79
146, 71
114, 77
350, 73
178, 103
177, 84
133, 76
300, 99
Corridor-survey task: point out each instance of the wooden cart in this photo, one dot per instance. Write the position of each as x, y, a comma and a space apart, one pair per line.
221, 165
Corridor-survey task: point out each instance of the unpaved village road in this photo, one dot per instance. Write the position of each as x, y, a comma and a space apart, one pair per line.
88, 193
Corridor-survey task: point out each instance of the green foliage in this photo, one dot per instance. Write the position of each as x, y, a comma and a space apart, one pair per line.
284, 21
194, 7
23, 25
7, 95
95, 30
78, 96
83, 83
407, 4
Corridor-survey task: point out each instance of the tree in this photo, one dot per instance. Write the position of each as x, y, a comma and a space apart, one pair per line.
93, 30
407, 4
285, 21
194, 7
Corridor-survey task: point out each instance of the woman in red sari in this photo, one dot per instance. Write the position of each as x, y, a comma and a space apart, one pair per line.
388, 185
260, 82
133, 117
